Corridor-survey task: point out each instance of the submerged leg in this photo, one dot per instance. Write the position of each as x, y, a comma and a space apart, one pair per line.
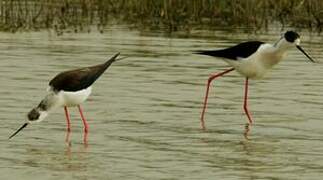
67, 138
85, 139
86, 126
68, 121
246, 131
245, 103
211, 78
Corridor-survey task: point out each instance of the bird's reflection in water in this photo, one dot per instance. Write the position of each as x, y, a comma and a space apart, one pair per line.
247, 131
69, 142
57, 158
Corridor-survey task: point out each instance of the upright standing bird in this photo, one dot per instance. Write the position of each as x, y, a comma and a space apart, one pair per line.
67, 89
252, 60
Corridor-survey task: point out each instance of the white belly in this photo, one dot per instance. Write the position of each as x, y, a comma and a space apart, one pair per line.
74, 98
248, 68
251, 69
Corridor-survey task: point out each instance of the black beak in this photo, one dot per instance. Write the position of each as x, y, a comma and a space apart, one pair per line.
21, 128
299, 47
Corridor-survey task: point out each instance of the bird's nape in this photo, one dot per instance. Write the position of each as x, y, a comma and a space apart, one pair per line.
21, 128
301, 49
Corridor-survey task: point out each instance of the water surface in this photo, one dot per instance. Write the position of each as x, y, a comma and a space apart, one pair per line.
144, 111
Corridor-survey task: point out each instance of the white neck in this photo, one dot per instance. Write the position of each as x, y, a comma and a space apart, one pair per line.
42, 116
49, 103
282, 45
276, 52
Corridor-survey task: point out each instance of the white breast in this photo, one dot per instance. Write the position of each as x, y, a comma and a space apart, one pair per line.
74, 98
257, 65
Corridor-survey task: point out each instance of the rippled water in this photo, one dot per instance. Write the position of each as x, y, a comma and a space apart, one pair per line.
144, 112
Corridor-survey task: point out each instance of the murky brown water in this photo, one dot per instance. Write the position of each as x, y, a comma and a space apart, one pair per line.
144, 112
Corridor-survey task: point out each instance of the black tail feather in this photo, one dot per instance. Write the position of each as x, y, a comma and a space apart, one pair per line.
214, 53
111, 60
205, 52
222, 53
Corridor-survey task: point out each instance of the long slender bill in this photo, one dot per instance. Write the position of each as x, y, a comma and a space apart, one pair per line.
299, 48
21, 128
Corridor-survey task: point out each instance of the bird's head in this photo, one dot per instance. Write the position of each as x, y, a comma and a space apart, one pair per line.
35, 115
291, 39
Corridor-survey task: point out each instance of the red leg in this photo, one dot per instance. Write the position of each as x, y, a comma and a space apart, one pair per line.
245, 104
67, 119
86, 126
211, 78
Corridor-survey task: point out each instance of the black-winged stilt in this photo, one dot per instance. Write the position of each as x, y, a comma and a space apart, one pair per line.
67, 89
252, 60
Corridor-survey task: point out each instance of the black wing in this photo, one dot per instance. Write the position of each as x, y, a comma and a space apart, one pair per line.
242, 50
81, 78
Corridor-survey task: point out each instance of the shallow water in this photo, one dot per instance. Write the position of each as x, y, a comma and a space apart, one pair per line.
144, 111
